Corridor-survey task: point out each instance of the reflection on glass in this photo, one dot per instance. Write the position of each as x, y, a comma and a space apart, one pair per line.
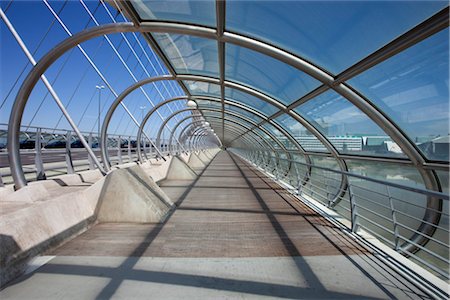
253, 102
395, 173
198, 12
266, 74
305, 138
332, 34
243, 113
207, 103
199, 88
346, 127
413, 89
281, 137
190, 54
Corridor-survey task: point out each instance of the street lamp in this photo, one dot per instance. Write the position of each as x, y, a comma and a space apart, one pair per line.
142, 112
100, 88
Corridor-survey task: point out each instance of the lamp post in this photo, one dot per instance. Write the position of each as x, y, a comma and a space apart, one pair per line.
99, 87
142, 119
142, 112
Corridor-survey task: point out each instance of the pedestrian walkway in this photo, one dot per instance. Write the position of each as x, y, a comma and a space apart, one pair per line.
234, 234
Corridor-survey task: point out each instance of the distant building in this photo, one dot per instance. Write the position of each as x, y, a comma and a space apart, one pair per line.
438, 148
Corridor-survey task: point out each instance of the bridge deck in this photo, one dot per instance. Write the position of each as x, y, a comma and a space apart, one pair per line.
235, 233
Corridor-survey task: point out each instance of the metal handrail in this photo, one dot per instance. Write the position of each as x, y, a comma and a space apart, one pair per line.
318, 188
395, 185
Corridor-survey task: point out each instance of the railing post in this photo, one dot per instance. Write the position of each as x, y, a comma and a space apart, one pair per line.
119, 150
394, 219
353, 209
40, 172
90, 160
1, 181
130, 159
69, 162
299, 180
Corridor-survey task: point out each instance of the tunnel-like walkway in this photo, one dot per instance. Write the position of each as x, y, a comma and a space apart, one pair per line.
235, 233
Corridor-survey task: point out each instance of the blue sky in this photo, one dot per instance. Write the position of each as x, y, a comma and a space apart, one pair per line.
76, 81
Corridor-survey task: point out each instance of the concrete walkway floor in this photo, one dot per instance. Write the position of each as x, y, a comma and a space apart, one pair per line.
235, 234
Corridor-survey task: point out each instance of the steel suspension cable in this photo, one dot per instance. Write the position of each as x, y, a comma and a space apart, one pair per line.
120, 56
27, 64
91, 62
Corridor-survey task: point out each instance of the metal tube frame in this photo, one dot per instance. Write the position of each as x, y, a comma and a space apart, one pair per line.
216, 110
434, 205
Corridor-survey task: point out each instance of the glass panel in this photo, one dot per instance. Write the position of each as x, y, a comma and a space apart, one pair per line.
212, 113
323, 185
243, 112
332, 34
375, 197
253, 102
198, 88
392, 172
267, 138
412, 88
280, 136
190, 54
266, 74
346, 127
207, 103
199, 12
305, 138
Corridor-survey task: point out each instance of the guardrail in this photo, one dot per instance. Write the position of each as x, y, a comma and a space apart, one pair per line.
64, 153
390, 211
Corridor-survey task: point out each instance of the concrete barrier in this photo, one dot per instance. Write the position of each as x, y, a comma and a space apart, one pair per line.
47, 213
130, 195
44, 215
180, 170
196, 162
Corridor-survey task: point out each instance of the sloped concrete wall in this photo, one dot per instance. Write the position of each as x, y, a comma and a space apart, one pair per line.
40, 220
196, 162
179, 170
130, 195
45, 215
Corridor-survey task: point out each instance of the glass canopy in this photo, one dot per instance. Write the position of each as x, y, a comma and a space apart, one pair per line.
277, 57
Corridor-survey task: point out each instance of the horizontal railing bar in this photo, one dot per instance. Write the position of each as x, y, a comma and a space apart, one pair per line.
395, 185
436, 269
425, 235
376, 224
372, 212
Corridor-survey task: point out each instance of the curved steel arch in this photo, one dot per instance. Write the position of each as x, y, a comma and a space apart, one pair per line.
230, 128
192, 123
144, 121
434, 205
217, 110
261, 138
258, 140
243, 88
184, 129
115, 104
